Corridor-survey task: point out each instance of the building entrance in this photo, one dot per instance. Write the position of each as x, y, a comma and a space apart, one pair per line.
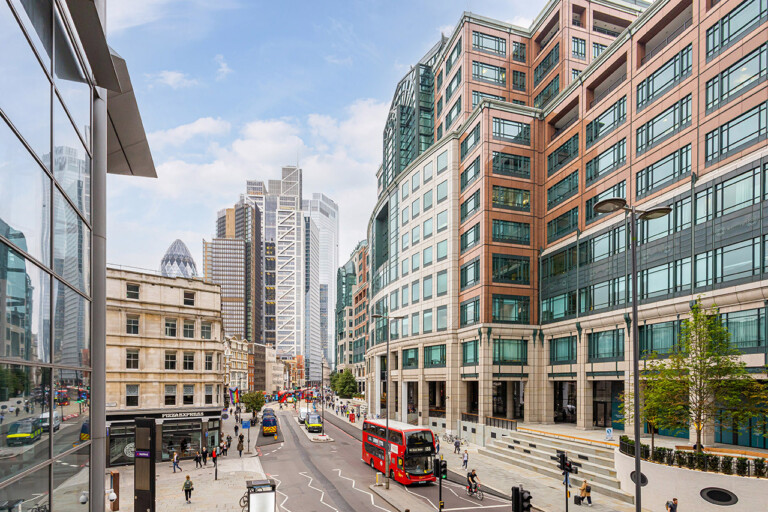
565, 402
606, 397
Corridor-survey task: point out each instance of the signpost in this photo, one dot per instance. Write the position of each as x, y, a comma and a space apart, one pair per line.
247, 426
144, 465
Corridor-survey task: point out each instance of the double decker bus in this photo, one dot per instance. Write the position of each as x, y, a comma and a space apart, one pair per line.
411, 450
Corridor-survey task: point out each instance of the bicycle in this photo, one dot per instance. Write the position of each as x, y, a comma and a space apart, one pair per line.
39, 508
477, 493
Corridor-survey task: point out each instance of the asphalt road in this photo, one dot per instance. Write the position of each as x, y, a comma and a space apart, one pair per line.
320, 477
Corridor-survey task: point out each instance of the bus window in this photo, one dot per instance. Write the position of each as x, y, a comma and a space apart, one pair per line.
395, 437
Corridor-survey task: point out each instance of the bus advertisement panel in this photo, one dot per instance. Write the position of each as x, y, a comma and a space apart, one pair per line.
412, 449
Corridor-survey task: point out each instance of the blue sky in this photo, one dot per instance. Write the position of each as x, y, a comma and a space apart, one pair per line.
231, 90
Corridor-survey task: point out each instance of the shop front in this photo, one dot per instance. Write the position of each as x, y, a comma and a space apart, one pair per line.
184, 432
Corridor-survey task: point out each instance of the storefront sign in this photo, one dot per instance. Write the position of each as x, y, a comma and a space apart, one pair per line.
182, 415
143, 454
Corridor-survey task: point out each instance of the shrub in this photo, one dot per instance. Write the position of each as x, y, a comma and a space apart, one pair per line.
680, 458
727, 465
742, 466
700, 461
690, 460
759, 468
659, 454
713, 463
670, 457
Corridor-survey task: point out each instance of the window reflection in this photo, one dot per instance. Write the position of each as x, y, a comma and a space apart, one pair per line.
70, 480
71, 245
71, 327
71, 82
71, 164
73, 402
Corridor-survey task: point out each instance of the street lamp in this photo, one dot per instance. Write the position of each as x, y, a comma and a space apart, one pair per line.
387, 455
610, 205
322, 392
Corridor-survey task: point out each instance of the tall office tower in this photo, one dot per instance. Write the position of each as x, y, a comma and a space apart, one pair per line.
178, 262
68, 116
224, 264
345, 284
313, 349
324, 212
281, 230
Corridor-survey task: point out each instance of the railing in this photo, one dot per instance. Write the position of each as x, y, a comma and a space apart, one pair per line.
560, 130
501, 423
708, 462
546, 40
608, 91
656, 49
469, 417
437, 413
606, 31
578, 23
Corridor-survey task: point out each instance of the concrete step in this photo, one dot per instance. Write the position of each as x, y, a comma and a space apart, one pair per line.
601, 485
585, 447
575, 452
542, 454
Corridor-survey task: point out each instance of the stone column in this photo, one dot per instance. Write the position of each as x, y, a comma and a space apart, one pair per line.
423, 395
510, 399
485, 378
454, 392
539, 392
583, 386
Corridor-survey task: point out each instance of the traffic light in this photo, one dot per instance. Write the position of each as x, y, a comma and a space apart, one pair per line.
525, 501
436, 468
516, 503
443, 469
561, 460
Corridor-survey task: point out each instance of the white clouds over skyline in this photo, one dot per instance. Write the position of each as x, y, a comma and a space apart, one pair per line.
223, 70
180, 135
173, 79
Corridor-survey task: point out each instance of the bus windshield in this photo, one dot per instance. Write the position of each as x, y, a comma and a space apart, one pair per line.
418, 464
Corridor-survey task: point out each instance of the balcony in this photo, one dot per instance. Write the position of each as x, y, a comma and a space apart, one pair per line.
612, 86
606, 31
560, 127
665, 42
664, 31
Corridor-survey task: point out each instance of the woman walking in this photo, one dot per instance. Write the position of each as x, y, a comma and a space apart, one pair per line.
240, 448
198, 460
205, 455
176, 462
586, 492
188, 487
465, 460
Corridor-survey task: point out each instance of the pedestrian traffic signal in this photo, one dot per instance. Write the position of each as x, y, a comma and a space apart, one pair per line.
443, 469
525, 501
516, 503
561, 459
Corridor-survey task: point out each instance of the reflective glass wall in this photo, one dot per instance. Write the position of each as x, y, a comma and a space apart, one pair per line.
45, 259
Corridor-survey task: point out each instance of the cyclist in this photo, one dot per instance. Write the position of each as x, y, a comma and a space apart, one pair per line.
473, 481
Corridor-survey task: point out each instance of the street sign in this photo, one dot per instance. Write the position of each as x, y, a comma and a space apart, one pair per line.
609, 434
246, 424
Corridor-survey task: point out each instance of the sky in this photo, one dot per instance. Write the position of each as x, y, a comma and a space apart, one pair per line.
231, 90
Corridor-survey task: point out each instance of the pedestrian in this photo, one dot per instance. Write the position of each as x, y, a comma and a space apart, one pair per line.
236, 429
176, 462
672, 505
240, 447
437, 446
229, 440
188, 487
205, 455
585, 491
198, 460
465, 460
457, 446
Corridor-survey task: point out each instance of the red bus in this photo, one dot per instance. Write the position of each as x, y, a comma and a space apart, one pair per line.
411, 447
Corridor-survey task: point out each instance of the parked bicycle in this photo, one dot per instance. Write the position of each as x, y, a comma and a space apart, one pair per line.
450, 438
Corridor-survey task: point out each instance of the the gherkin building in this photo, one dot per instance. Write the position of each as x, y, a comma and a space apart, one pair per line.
177, 261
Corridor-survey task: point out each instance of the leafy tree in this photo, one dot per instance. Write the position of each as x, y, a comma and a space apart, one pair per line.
654, 408
704, 381
335, 382
253, 401
346, 385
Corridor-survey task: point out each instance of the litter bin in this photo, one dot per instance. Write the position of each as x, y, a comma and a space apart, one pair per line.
261, 495
351, 417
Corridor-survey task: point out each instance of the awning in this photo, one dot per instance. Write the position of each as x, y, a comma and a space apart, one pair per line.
88, 25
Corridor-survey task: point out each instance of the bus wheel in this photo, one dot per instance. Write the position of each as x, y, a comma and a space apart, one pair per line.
391, 474
373, 466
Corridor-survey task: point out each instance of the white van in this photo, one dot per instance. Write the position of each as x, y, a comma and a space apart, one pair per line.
56, 421
302, 415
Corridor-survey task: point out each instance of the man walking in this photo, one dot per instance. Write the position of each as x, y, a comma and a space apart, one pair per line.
205, 455
198, 460
672, 505
176, 462
187, 487
465, 460
457, 446
240, 447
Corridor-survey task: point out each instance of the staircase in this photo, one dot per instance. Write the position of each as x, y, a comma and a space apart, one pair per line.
538, 452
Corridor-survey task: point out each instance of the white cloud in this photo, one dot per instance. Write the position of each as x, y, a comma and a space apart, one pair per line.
173, 79
205, 126
126, 14
223, 69
339, 61
521, 21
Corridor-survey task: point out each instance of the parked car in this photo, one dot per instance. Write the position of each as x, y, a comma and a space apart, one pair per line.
314, 423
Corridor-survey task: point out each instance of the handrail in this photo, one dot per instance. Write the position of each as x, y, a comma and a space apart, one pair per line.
577, 23
469, 417
679, 30
545, 41
605, 31
437, 413
505, 423
560, 130
608, 91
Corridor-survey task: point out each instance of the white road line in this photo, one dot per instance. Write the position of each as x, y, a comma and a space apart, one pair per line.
277, 488
322, 492
364, 492
475, 507
464, 488
422, 497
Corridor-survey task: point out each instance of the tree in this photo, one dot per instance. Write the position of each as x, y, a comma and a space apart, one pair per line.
654, 408
335, 382
346, 384
704, 380
253, 401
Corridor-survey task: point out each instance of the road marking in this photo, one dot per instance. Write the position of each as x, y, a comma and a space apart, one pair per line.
277, 488
475, 507
422, 497
464, 488
322, 492
364, 492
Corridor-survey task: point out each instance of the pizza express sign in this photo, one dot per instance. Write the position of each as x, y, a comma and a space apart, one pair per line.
182, 415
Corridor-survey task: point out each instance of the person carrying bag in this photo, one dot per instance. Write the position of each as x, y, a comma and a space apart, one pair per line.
188, 487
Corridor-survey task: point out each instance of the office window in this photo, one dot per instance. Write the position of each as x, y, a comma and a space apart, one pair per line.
415, 181
489, 43
732, 262
405, 241
469, 312
558, 307
439, 107
426, 316
132, 359
597, 49
511, 165
404, 267
394, 300
563, 189
470, 141
661, 338
189, 360
189, 329
208, 393
489, 73
664, 279
562, 225
453, 114
740, 21
738, 78
405, 295
426, 287
747, 328
427, 200
669, 122
507, 351
442, 162
604, 294
469, 353
510, 269
478, 96
427, 256
512, 131
737, 134
613, 117
414, 324
170, 394
209, 361
618, 190
415, 292
189, 298
442, 318
405, 190
547, 93
442, 220
132, 395
469, 207
518, 102
469, 274
664, 172
205, 330
416, 234
518, 51
579, 48
442, 250
575, 74
470, 174
170, 327
415, 262
405, 216
453, 56
511, 309
663, 79
439, 80
132, 324
562, 350
511, 232
434, 356
452, 86
563, 155
518, 81
132, 291
470, 237
547, 64
511, 198
606, 162
189, 394
442, 283
427, 171
170, 360
427, 228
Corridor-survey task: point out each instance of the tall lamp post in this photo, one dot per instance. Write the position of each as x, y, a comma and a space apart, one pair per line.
322, 392
610, 205
387, 455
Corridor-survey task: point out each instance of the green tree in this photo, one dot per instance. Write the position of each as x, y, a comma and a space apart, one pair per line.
346, 384
704, 380
335, 382
654, 408
253, 401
